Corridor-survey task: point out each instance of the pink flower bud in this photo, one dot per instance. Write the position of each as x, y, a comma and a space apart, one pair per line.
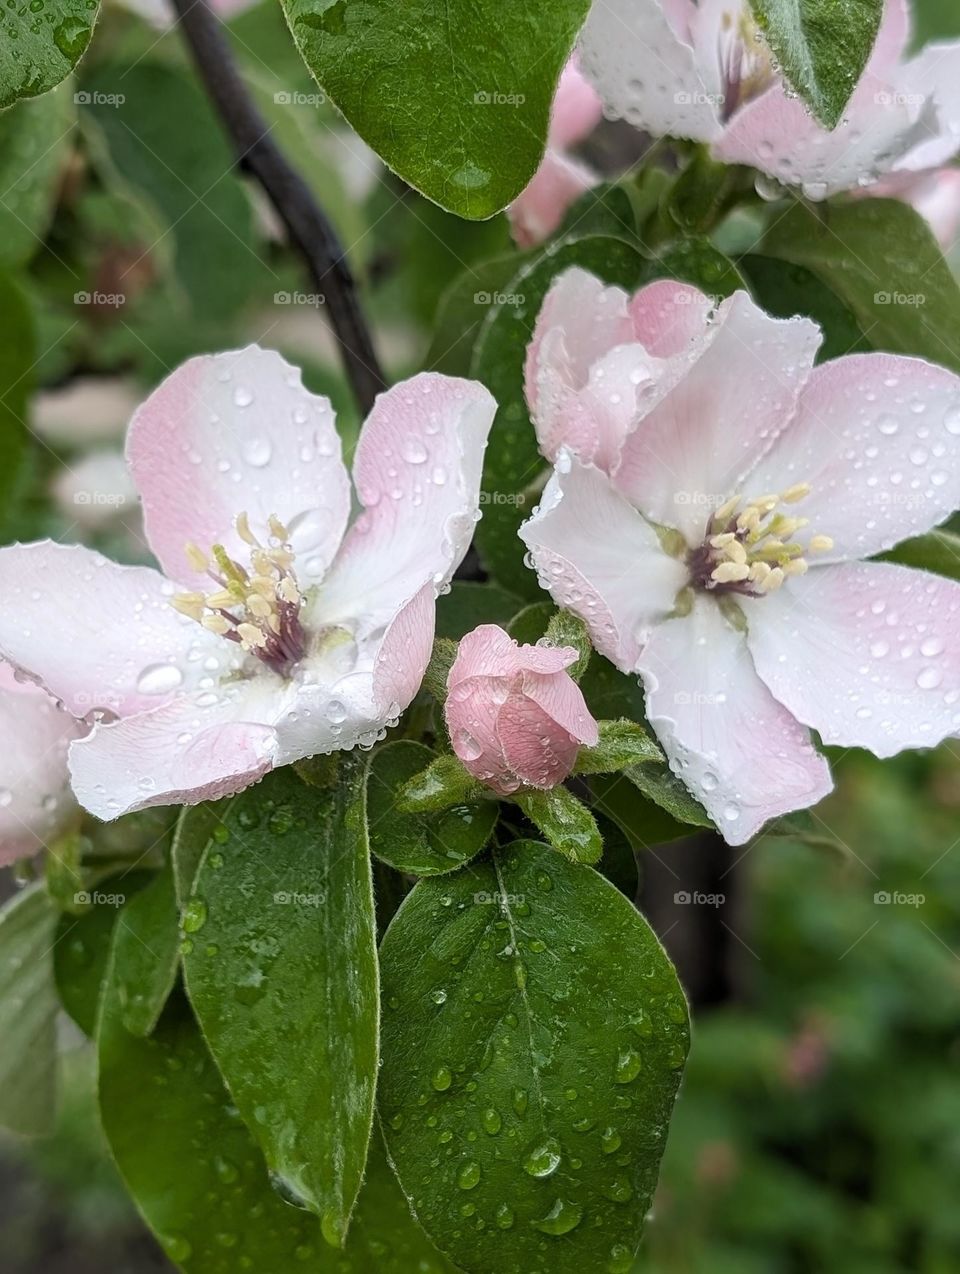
515, 715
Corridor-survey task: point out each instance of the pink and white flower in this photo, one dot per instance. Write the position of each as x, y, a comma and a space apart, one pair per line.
515, 715
560, 180
276, 631
36, 804
702, 71
713, 498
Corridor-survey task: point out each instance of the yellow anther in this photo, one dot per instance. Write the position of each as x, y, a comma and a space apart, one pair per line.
759, 571
225, 598
251, 637
243, 530
196, 557
721, 541
277, 529
727, 510
215, 624
736, 552
265, 585
798, 566
288, 590
773, 581
749, 520
282, 558
258, 606
820, 544
730, 572
191, 604
798, 492
231, 569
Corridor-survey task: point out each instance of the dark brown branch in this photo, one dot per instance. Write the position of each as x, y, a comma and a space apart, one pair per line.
307, 225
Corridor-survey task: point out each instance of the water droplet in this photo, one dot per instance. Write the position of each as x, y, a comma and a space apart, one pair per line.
628, 1066
257, 451
159, 679
543, 1158
492, 1122
469, 1175
442, 1078
194, 915
563, 1217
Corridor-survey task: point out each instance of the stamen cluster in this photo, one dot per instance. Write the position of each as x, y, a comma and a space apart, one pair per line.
750, 549
259, 607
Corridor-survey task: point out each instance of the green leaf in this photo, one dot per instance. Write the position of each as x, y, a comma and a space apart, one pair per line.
880, 258
661, 785
463, 308
28, 1012
169, 147
821, 46
566, 823
196, 827
645, 821
513, 461
530, 624
937, 551
197, 1175
442, 659
424, 844
784, 290
39, 47
280, 962
567, 629
533, 1037
621, 743
34, 139
17, 357
695, 261
604, 209
475, 77
694, 200
469, 604
82, 948
147, 953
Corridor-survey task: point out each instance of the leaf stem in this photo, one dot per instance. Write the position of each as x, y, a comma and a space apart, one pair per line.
308, 226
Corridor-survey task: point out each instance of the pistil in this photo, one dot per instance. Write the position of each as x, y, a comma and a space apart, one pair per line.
256, 606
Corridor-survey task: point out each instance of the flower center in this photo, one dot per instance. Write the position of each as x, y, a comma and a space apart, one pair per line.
750, 547
257, 606
745, 66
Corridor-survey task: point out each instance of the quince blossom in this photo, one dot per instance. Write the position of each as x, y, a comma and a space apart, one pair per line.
277, 631
560, 180
515, 715
702, 71
713, 498
36, 804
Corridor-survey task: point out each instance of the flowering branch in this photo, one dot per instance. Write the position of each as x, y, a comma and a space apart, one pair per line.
307, 224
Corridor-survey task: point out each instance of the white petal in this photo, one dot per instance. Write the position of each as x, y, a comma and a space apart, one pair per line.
867, 653
740, 752
596, 556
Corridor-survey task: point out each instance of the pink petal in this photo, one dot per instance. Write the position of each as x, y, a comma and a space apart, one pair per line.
740, 752
584, 339
559, 696
404, 654
238, 433
98, 635
471, 712
577, 109
876, 437
778, 135
867, 653
417, 473
538, 752
488, 651
541, 206
690, 452
935, 195
636, 53
36, 805
892, 38
669, 317
197, 747
597, 556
